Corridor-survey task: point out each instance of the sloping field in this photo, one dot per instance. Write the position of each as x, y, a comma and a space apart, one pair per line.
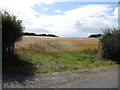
56, 44
56, 54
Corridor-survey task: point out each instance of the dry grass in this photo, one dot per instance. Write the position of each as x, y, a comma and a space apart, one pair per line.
56, 44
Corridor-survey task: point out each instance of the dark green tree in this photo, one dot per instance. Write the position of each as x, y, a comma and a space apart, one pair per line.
11, 32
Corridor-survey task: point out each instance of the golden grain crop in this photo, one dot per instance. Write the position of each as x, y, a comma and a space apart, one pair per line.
56, 43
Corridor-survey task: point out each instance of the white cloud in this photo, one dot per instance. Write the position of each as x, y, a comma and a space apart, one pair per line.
115, 13
76, 22
57, 11
45, 9
23, 8
92, 1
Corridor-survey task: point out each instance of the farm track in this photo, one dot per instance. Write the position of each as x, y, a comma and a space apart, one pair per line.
84, 78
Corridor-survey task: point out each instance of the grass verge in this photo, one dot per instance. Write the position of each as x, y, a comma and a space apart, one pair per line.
32, 62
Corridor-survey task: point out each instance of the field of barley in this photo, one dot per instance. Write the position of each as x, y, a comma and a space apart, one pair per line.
38, 54
57, 44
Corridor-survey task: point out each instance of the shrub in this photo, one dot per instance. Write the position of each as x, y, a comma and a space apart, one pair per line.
11, 29
11, 32
95, 35
110, 43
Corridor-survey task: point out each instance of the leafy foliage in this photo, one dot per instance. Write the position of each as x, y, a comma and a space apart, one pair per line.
11, 28
11, 32
110, 43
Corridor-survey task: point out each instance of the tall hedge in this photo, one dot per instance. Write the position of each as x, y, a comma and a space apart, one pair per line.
110, 43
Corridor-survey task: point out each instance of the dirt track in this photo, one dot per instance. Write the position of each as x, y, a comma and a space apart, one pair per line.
94, 78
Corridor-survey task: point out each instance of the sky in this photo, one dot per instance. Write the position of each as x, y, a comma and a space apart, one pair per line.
64, 18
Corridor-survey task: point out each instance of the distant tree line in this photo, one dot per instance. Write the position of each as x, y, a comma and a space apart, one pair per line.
95, 35
34, 34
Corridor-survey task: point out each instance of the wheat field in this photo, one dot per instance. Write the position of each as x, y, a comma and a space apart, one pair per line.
56, 44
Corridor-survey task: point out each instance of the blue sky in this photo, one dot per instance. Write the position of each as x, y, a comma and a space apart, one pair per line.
65, 6
64, 18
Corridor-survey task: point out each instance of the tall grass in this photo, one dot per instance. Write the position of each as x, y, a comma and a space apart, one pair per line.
110, 43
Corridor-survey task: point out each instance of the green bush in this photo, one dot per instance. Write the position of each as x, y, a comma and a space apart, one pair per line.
110, 43
12, 29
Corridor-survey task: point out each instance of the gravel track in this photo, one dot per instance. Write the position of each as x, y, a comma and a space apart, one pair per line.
84, 78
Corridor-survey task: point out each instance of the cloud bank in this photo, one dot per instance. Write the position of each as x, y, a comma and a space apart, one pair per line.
81, 21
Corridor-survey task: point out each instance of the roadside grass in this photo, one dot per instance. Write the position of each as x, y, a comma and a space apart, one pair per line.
60, 62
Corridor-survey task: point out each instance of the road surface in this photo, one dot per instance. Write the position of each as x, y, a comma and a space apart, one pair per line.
94, 78
108, 79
